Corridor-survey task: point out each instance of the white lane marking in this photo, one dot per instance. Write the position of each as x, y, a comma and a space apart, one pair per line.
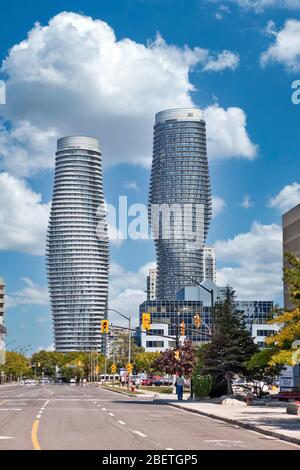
38, 416
6, 437
10, 409
223, 440
111, 414
122, 422
104, 409
139, 433
169, 448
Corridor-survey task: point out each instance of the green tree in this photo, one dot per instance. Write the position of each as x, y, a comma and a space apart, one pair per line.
145, 362
47, 361
121, 348
16, 366
261, 371
230, 348
282, 341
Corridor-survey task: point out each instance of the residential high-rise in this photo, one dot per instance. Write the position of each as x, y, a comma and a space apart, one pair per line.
179, 198
291, 242
78, 246
151, 284
209, 264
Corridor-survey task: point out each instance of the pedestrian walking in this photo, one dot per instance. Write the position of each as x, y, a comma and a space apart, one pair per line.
179, 386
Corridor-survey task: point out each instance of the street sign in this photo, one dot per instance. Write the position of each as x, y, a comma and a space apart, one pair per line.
129, 368
113, 369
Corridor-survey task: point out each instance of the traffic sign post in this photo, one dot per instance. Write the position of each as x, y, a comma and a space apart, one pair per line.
113, 371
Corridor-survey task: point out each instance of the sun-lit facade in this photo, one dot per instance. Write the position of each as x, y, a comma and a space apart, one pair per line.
78, 246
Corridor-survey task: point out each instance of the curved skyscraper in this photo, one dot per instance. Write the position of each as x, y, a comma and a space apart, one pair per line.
180, 198
78, 246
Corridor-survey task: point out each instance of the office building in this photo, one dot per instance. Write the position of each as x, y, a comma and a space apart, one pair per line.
164, 316
291, 242
78, 247
255, 312
179, 198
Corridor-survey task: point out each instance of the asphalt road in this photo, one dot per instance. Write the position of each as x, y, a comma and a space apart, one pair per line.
81, 417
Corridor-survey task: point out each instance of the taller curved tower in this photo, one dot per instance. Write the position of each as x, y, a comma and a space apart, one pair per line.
179, 185
78, 246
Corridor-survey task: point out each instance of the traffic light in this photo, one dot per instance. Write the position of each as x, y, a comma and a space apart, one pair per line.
176, 355
104, 326
182, 328
129, 368
146, 321
197, 321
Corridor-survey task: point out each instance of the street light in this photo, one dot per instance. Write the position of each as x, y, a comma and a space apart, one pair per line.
178, 313
210, 291
129, 336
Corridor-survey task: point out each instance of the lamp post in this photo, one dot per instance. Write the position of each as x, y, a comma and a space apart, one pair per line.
177, 312
210, 291
129, 336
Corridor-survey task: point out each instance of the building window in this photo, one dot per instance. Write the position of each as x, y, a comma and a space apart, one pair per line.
155, 344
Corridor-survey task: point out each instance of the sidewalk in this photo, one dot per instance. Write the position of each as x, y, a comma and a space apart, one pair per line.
269, 420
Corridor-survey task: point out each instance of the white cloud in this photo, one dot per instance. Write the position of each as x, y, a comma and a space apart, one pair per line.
127, 290
218, 205
287, 198
224, 60
69, 78
30, 294
254, 262
286, 48
23, 217
48, 348
227, 134
247, 202
222, 10
131, 185
26, 148
260, 5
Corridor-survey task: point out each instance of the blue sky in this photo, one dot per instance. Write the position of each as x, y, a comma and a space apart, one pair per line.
236, 59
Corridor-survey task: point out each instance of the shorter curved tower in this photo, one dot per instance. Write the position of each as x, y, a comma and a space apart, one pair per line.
78, 246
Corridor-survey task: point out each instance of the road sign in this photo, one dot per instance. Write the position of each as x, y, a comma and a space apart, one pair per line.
113, 369
129, 368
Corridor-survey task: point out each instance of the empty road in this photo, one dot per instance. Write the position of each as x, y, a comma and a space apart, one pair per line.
50, 417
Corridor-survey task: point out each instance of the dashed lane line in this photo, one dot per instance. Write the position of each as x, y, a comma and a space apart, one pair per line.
139, 433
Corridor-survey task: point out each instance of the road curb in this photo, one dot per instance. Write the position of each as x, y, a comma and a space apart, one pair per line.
119, 391
242, 424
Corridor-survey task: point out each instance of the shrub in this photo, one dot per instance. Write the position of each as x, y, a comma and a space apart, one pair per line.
202, 385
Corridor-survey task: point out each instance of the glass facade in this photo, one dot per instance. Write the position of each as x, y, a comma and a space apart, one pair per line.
179, 177
164, 312
78, 246
255, 311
